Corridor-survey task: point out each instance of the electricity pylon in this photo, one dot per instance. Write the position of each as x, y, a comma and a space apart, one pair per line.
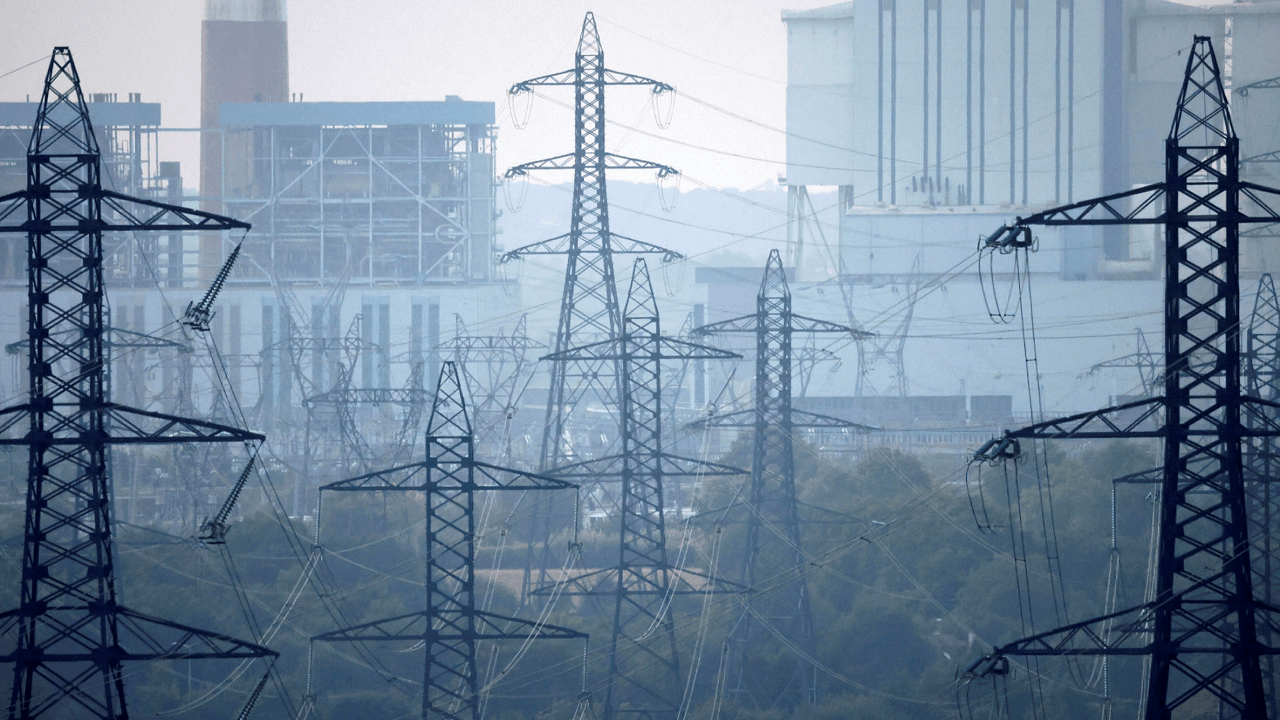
491, 367
644, 665
589, 310
451, 625
1262, 380
774, 550
70, 635
1142, 359
1201, 630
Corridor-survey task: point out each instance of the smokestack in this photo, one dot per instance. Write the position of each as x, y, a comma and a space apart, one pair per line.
244, 46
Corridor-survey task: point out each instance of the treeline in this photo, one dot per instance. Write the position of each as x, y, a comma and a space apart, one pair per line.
916, 569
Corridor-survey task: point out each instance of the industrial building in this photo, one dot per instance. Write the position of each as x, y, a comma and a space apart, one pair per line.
941, 122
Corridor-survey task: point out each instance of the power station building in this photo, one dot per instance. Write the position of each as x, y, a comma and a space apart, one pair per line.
940, 122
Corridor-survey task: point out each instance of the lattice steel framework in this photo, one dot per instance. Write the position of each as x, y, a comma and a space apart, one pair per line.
774, 550
1141, 359
644, 665
451, 625
1202, 629
70, 635
1262, 380
502, 360
589, 308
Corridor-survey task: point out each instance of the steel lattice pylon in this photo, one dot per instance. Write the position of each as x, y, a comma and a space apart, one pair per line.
644, 581
1201, 630
505, 360
1142, 359
70, 636
451, 625
1262, 380
589, 310
772, 492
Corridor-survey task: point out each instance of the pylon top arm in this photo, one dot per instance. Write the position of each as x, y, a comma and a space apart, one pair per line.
800, 323
743, 324
1259, 210
501, 478
564, 77
670, 465
10, 204
1119, 421
1139, 206
668, 349
127, 426
558, 162
416, 626
617, 77
414, 477
614, 161
140, 214
619, 244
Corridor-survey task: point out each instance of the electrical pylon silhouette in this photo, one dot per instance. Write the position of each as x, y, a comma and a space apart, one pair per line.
451, 625
70, 635
1201, 630
774, 549
644, 665
589, 310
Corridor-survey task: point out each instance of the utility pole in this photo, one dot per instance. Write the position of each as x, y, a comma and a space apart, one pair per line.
70, 635
589, 308
774, 550
451, 625
1201, 632
644, 665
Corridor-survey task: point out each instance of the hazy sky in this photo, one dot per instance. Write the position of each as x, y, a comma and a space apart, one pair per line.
729, 54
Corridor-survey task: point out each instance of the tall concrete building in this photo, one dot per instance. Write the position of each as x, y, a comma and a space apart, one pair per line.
940, 121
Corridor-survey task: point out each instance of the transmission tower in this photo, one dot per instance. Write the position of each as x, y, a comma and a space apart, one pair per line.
504, 359
1201, 630
1262, 380
451, 625
883, 348
773, 548
644, 666
70, 636
589, 309
1143, 360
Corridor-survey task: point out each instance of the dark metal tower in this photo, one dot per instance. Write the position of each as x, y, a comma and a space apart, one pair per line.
1202, 629
1262, 380
589, 307
451, 625
644, 666
70, 636
774, 550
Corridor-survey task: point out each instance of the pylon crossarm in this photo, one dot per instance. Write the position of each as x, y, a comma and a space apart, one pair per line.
565, 77
1150, 476
806, 419
1263, 205
416, 626
128, 339
566, 161
494, 477
744, 324
669, 465
10, 204
673, 349
1261, 417
131, 425
1119, 421
1139, 206
140, 214
736, 419
614, 161
668, 349
412, 477
557, 245
639, 580
370, 396
800, 323
179, 642
1267, 157
616, 77
623, 245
